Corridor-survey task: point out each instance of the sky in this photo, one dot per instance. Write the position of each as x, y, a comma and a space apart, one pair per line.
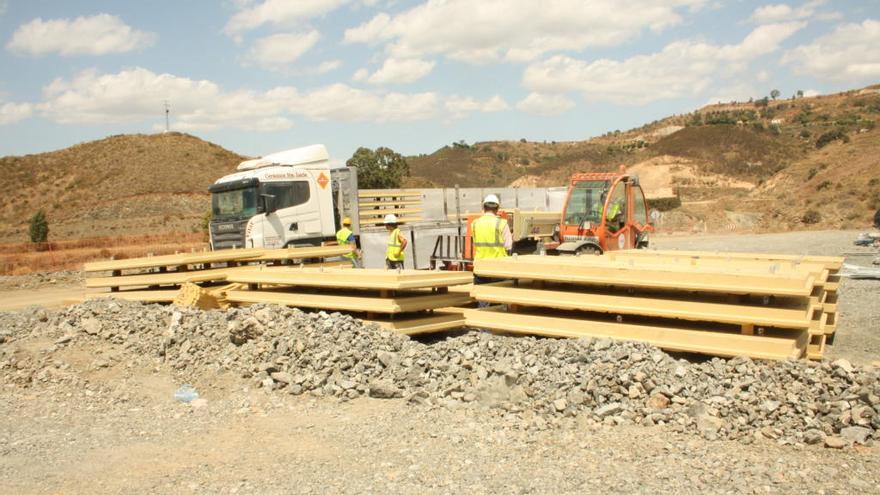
260, 76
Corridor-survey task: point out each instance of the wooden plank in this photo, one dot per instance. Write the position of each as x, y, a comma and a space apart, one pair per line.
365, 279
735, 314
389, 194
147, 296
570, 269
173, 260
816, 347
385, 211
417, 325
367, 204
166, 278
830, 323
669, 338
299, 253
738, 265
400, 220
830, 304
401, 304
831, 262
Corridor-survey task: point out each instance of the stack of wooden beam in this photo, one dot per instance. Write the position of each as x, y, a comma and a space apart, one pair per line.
374, 205
751, 307
774, 263
407, 301
159, 278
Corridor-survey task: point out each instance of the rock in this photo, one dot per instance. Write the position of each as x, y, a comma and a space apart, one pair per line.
835, 443
64, 339
843, 364
657, 401
282, 377
91, 326
383, 389
608, 409
813, 437
770, 405
560, 404
855, 434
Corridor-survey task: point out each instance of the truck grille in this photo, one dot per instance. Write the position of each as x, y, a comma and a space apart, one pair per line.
228, 235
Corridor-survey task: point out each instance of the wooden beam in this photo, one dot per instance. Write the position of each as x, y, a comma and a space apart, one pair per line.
167, 278
417, 325
368, 204
402, 304
635, 256
369, 278
389, 194
570, 269
665, 337
173, 260
735, 314
385, 211
147, 296
831, 262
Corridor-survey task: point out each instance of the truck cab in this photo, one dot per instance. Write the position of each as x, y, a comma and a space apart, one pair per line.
603, 212
290, 198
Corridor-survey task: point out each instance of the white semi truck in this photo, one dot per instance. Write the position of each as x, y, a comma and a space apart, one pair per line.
290, 198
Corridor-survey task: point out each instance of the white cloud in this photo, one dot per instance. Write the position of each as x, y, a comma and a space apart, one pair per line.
515, 30
681, 68
809, 93
327, 66
137, 95
361, 75
461, 106
781, 12
96, 35
546, 105
395, 71
13, 112
278, 50
851, 53
285, 13
736, 92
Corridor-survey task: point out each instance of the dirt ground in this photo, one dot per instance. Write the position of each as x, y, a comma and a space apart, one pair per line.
120, 430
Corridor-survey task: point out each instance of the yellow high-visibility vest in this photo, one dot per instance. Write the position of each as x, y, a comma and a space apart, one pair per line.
394, 246
342, 239
488, 237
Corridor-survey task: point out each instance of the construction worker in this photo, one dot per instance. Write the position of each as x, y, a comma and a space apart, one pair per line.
394, 255
615, 209
345, 237
490, 234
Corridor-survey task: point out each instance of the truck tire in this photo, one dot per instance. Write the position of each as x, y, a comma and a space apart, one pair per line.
588, 250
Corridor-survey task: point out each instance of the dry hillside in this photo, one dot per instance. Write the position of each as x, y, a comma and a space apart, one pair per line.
129, 184
793, 163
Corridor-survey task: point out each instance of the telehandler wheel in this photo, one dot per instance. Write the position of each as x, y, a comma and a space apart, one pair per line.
588, 250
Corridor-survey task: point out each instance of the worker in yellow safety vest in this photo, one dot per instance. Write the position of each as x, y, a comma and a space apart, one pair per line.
345, 237
490, 234
394, 252
614, 214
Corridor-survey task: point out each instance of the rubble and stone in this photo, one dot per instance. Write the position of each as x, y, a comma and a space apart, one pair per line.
534, 383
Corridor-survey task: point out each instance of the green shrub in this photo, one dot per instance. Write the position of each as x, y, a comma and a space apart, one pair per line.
39, 227
811, 217
825, 184
831, 136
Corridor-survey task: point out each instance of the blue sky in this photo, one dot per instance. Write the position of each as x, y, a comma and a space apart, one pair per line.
258, 76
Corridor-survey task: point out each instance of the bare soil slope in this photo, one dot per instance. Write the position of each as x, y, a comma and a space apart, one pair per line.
127, 184
796, 163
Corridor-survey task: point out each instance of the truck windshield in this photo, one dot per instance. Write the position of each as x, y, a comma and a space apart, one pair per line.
234, 204
585, 203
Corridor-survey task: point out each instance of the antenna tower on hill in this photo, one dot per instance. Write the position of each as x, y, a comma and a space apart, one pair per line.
167, 111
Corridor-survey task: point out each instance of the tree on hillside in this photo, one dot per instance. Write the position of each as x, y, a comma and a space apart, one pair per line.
39, 227
774, 94
800, 93
379, 169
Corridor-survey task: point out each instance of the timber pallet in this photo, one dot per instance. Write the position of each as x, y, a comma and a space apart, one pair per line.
696, 307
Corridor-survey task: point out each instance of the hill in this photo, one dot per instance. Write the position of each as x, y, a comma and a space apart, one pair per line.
764, 165
120, 185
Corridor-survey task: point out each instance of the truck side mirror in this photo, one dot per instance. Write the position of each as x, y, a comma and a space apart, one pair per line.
268, 203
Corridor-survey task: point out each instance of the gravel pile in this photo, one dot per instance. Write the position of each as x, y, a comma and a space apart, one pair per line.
532, 383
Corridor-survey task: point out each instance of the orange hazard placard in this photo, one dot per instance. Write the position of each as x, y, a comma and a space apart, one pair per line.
323, 180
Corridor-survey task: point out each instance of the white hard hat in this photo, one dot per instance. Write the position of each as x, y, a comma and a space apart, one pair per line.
391, 218
491, 199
